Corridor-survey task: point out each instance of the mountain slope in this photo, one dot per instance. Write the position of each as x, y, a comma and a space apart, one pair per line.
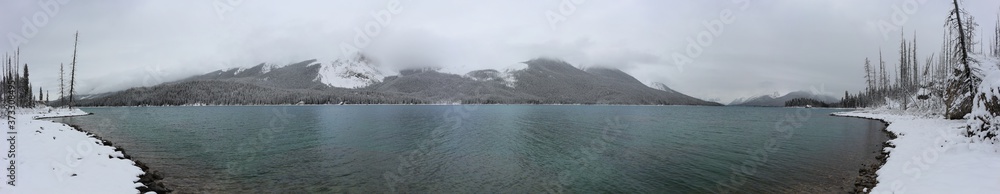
359, 81
558, 81
299, 75
442, 87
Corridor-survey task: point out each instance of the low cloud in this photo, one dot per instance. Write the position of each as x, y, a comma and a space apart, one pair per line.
789, 44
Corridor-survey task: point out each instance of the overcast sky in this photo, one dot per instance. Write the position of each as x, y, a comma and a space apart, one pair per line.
770, 46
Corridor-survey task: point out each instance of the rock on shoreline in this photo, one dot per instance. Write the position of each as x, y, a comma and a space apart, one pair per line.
867, 177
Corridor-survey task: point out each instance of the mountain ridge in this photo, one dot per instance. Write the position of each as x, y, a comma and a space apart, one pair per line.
779, 100
359, 81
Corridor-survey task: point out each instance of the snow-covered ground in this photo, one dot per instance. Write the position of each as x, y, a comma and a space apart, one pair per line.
933, 155
54, 158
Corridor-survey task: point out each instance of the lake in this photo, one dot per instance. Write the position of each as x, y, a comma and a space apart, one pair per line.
492, 148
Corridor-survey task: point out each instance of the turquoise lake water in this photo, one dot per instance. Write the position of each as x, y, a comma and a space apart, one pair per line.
492, 148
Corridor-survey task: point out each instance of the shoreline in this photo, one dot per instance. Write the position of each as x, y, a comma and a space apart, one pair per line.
867, 177
428, 104
931, 154
150, 180
622, 105
60, 116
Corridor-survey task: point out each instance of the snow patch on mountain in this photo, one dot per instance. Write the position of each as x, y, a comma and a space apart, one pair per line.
264, 68
268, 67
661, 87
238, 70
506, 75
355, 73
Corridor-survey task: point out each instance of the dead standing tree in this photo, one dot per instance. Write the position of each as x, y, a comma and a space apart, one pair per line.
961, 83
72, 74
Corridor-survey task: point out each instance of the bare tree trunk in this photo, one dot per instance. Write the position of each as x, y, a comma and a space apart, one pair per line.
961, 86
962, 43
72, 78
62, 87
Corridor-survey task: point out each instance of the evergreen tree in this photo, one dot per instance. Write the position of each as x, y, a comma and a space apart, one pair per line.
28, 95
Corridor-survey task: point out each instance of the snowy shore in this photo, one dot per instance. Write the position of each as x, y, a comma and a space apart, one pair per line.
933, 155
51, 157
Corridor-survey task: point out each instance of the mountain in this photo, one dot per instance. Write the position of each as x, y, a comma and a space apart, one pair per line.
777, 101
359, 80
357, 72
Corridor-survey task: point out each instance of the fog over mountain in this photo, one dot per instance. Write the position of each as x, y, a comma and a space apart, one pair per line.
126, 44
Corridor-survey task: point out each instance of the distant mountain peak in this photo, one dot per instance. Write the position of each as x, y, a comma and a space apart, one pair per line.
549, 63
547, 59
776, 99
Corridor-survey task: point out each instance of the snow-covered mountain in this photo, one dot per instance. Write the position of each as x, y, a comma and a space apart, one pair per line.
357, 72
534, 81
360, 80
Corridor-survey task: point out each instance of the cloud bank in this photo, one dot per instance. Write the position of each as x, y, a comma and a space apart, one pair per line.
765, 47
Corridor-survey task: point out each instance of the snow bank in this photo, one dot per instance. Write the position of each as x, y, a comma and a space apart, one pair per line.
933, 155
984, 120
54, 158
